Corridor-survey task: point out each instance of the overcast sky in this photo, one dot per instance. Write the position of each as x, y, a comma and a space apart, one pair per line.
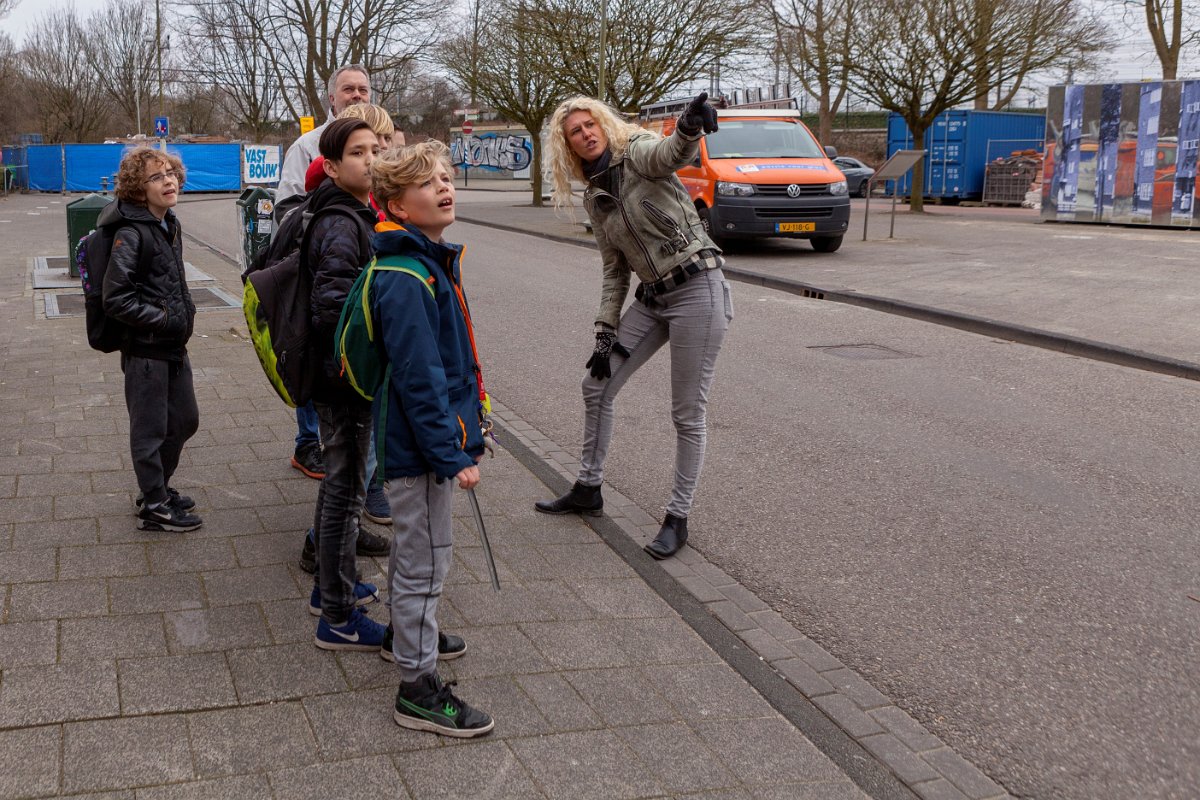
1132, 60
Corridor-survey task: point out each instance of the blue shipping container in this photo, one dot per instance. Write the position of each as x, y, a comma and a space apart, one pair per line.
959, 145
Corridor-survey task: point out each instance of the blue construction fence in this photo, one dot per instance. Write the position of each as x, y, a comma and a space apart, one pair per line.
84, 167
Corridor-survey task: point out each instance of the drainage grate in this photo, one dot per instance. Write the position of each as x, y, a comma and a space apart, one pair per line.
862, 352
54, 262
206, 298
64, 305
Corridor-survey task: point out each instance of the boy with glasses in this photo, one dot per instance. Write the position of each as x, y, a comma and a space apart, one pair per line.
148, 293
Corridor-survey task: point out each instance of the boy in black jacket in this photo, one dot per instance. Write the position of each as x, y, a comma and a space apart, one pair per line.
158, 312
338, 249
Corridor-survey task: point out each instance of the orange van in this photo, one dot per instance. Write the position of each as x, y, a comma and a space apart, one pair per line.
763, 173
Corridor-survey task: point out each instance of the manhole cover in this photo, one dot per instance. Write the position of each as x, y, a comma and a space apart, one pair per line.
57, 262
71, 304
861, 352
212, 297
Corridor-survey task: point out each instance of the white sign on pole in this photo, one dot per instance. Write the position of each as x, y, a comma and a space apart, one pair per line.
260, 163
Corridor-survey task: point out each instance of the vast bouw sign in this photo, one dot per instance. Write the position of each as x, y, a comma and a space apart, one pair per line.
260, 163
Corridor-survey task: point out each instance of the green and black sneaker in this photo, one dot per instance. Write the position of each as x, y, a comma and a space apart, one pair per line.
427, 704
450, 646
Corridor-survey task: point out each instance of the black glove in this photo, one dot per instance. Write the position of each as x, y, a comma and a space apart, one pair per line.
606, 345
699, 115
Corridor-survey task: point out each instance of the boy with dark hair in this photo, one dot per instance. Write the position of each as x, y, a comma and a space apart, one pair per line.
337, 252
158, 312
432, 437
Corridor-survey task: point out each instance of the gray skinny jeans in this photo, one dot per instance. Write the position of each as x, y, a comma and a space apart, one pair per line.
693, 318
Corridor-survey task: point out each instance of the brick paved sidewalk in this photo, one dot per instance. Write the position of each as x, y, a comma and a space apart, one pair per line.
156, 665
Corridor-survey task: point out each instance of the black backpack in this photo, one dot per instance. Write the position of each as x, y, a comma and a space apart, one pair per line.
277, 302
91, 256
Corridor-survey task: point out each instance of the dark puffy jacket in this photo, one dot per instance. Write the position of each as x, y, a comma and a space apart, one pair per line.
336, 256
157, 307
433, 408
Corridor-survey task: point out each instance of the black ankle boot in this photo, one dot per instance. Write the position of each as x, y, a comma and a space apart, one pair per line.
582, 499
671, 537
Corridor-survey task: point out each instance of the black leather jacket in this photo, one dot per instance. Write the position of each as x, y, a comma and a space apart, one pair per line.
157, 306
339, 249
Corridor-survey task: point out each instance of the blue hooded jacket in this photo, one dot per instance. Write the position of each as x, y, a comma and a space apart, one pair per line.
433, 409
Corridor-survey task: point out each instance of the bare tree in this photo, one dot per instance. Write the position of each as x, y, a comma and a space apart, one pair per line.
123, 58
223, 42
197, 108
6, 6
68, 99
640, 50
812, 39
425, 108
307, 40
1172, 27
499, 68
12, 94
1014, 38
922, 57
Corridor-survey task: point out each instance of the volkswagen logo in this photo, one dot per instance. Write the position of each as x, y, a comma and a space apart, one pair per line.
793, 190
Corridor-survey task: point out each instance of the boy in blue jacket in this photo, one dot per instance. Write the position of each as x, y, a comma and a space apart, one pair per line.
431, 425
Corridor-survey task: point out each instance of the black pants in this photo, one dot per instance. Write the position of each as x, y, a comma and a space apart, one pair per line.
346, 434
162, 416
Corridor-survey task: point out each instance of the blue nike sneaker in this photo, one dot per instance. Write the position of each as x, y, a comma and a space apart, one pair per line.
359, 633
364, 594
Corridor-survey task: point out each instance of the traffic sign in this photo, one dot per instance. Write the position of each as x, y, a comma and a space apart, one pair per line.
162, 126
466, 112
306, 125
467, 127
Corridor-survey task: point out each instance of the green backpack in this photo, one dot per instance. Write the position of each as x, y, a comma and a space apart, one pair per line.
364, 364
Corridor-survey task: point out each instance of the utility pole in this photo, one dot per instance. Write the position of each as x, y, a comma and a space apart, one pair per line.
601, 87
158, 51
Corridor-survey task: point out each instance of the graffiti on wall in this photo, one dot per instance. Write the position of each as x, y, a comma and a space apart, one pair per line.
495, 151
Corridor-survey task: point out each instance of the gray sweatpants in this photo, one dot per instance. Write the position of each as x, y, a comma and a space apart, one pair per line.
693, 318
422, 539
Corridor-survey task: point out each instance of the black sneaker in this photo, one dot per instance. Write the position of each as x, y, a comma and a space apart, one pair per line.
375, 508
308, 554
450, 646
309, 460
166, 516
427, 704
180, 501
372, 544
369, 545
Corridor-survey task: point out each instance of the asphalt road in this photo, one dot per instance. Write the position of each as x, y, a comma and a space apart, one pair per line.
1001, 539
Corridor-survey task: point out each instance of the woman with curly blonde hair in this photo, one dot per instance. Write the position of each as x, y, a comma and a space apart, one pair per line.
645, 225
565, 164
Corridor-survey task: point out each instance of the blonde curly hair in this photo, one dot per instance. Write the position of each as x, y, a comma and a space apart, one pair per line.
375, 116
401, 167
139, 164
562, 161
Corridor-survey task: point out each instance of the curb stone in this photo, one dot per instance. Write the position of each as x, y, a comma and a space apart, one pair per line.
917, 759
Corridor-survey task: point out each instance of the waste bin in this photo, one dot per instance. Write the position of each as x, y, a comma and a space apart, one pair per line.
81, 220
254, 207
